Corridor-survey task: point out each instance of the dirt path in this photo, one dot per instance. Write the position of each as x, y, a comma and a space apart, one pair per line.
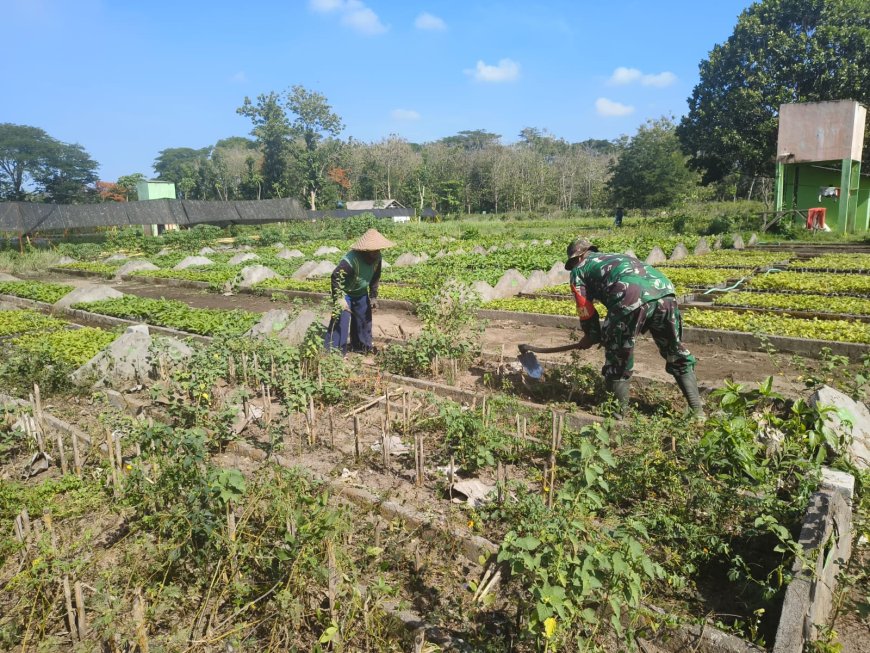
715, 363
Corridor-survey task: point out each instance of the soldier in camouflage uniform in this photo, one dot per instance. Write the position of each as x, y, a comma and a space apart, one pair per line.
638, 299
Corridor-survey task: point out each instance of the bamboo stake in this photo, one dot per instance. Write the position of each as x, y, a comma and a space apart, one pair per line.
356, 438
385, 445
119, 458
70, 613
80, 610
450, 478
245, 368
329, 414
25, 522
405, 415
483, 410
139, 618
77, 458
231, 370
388, 425
499, 482
110, 450
62, 453
332, 582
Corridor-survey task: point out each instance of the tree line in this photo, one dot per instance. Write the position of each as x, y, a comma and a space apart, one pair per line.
780, 51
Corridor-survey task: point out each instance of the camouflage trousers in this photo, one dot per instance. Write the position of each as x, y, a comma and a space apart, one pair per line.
661, 318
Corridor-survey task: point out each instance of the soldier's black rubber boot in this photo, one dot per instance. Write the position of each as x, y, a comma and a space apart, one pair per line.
688, 383
619, 388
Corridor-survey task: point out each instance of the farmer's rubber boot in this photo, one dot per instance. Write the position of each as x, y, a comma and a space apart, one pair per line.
688, 383
619, 388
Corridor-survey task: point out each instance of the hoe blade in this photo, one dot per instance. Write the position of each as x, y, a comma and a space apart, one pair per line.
530, 364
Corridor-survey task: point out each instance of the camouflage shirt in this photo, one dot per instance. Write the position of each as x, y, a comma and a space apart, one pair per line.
622, 283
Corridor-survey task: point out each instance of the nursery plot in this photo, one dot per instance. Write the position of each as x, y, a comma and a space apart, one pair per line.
835, 263
729, 258
798, 302
828, 283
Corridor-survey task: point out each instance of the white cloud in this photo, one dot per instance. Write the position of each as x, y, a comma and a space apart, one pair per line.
404, 114
239, 78
622, 76
353, 14
429, 22
606, 107
659, 81
507, 70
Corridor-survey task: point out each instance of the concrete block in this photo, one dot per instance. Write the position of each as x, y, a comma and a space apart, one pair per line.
238, 259
855, 412
65, 260
826, 540
254, 274
116, 258
129, 359
717, 244
321, 269
304, 269
837, 481
702, 247
492, 249
680, 252
86, 293
482, 288
323, 251
537, 280
441, 254
558, 274
164, 252
135, 266
288, 254
278, 246
656, 256
205, 251
294, 333
510, 284
737, 243
753, 240
547, 243
193, 262
270, 324
477, 249
8, 277
405, 260
630, 252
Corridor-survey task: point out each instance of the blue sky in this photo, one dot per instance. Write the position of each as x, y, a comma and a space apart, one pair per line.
127, 79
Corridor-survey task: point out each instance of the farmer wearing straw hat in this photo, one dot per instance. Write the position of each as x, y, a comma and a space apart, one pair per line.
638, 299
354, 293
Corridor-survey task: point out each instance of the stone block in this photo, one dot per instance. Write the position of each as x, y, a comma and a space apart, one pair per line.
630, 252
477, 249
753, 240
288, 254
238, 259
91, 292
164, 252
855, 412
656, 256
254, 274
323, 251
737, 242
492, 250
680, 252
717, 244
205, 251
510, 284
193, 262
837, 481
135, 266
702, 247
114, 258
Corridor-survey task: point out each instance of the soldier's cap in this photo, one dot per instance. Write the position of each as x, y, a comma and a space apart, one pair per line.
577, 248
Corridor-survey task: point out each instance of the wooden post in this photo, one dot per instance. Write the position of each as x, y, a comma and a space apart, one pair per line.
61, 453
387, 409
80, 610
385, 444
450, 478
139, 618
110, 452
499, 481
77, 458
119, 458
70, 613
406, 417
356, 438
331, 428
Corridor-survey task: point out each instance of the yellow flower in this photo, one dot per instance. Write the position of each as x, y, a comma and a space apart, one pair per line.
549, 627
128, 467
470, 523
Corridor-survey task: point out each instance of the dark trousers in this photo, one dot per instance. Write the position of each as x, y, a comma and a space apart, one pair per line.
352, 330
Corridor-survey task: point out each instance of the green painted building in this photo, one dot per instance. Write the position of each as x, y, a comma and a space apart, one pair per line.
156, 190
819, 152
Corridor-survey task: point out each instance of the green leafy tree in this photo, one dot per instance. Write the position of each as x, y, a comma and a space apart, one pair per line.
781, 51
651, 170
127, 185
272, 133
316, 148
183, 166
33, 163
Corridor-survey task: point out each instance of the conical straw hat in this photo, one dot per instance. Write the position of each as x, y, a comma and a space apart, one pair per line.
372, 240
